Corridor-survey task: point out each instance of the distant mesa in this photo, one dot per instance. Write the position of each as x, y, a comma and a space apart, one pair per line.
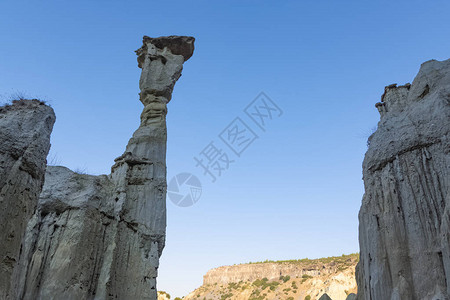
292, 279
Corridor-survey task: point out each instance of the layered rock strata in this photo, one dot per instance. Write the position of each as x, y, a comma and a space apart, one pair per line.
25, 128
404, 231
100, 237
273, 270
295, 279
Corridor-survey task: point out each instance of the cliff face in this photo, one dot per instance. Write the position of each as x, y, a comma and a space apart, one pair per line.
405, 213
101, 236
25, 128
281, 280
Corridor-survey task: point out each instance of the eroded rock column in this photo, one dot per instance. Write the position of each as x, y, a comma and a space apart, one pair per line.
140, 173
100, 237
405, 213
25, 128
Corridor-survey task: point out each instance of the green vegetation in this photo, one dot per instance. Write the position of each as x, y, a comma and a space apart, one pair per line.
256, 295
164, 293
257, 298
294, 285
306, 277
233, 285
224, 297
325, 260
260, 282
264, 283
308, 297
342, 268
285, 278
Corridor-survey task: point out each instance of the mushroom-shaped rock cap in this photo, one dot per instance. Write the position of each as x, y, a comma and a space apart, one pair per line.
178, 45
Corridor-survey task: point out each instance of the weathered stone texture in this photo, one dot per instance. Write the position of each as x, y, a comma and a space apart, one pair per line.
405, 213
25, 128
100, 237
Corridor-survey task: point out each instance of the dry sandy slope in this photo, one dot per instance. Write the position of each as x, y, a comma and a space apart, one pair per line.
291, 280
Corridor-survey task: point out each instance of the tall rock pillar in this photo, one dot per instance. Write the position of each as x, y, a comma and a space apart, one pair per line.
140, 173
101, 237
404, 232
25, 128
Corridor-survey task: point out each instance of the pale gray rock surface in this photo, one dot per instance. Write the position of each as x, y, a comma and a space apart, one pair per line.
25, 128
66, 245
404, 231
100, 237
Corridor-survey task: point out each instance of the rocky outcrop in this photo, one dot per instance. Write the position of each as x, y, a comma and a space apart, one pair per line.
100, 237
273, 270
404, 231
25, 128
294, 279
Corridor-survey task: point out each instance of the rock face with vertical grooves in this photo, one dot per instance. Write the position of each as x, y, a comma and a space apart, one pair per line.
25, 128
404, 231
100, 237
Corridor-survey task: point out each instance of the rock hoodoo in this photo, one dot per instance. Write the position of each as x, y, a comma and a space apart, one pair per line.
101, 236
404, 230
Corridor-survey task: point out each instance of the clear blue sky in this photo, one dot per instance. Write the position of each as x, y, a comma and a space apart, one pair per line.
296, 191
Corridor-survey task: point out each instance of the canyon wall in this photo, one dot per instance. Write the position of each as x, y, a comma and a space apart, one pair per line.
273, 270
294, 279
404, 231
25, 128
100, 237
